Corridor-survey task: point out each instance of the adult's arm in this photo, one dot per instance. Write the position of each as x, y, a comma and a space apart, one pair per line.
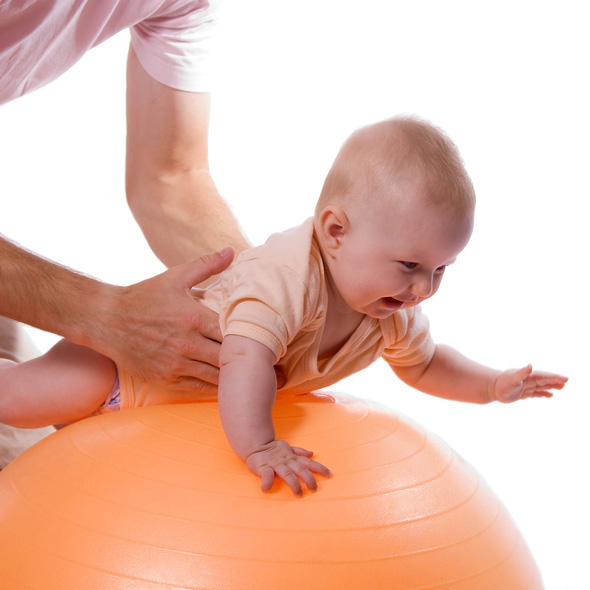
155, 329
169, 186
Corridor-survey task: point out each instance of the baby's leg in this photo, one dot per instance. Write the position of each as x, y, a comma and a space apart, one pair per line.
66, 384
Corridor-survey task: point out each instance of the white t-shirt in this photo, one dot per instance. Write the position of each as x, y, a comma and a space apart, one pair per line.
41, 39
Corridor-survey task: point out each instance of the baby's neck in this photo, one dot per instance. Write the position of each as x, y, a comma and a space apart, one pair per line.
337, 330
341, 321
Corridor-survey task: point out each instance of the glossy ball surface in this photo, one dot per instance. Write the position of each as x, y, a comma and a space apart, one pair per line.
154, 498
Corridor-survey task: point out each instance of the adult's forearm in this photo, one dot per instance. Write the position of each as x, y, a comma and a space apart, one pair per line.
44, 294
154, 329
168, 183
183, 217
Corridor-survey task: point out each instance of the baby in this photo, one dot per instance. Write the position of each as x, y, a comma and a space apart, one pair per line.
320, 301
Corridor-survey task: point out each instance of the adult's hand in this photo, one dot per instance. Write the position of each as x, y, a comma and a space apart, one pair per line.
156, 330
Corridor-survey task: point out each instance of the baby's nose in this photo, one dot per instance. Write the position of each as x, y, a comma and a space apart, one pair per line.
422, 286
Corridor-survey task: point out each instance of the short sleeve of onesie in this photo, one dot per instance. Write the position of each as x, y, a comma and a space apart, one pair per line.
412, 343
174, 43
266, 302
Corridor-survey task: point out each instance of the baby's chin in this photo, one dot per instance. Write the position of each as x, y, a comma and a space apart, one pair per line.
383, 308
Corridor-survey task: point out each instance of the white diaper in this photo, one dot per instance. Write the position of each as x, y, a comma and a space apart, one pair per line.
113, 401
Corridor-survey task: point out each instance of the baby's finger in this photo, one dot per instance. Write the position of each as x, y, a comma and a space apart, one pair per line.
522, 374
267, 475
317, 467
531, 391
287, 475
306, 477
550, 380
302, 452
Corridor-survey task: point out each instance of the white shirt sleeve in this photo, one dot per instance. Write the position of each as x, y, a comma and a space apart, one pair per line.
174, 44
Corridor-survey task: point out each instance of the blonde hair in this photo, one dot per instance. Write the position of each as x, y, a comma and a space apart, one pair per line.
374, 156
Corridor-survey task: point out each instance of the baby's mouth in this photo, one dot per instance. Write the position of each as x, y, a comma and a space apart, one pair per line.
392, 303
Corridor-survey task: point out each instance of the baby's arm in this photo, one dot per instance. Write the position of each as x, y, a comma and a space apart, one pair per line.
247, 390
451, 375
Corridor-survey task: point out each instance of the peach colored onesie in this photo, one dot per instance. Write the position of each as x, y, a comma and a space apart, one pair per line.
276, 294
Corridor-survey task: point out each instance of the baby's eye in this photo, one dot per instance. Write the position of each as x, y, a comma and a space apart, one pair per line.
440, 269
410, 265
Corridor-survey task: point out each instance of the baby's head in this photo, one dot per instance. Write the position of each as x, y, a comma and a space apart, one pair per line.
396, 208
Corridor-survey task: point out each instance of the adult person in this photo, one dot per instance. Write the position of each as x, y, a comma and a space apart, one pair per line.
154, 328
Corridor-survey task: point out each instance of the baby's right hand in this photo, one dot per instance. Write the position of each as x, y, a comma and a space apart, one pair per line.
289, 463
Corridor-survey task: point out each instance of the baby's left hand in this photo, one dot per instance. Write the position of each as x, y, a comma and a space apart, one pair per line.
516, 384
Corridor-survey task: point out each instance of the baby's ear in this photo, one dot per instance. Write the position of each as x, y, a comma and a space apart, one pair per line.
333, 227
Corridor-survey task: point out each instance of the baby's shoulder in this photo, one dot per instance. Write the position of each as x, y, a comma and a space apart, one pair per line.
291, 252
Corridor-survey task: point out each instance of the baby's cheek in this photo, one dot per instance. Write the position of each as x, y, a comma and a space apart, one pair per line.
436, 284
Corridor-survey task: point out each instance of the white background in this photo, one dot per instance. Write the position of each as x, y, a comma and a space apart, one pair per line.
508, 81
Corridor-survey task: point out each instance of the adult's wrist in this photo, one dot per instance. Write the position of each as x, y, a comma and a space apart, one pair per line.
94, 306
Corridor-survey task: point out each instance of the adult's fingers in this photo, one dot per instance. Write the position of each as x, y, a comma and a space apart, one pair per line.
206, 383
206, 323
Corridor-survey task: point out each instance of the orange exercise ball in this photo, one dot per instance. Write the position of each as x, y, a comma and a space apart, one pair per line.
154, 498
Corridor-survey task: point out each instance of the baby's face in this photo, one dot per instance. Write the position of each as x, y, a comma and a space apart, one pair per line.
397, 258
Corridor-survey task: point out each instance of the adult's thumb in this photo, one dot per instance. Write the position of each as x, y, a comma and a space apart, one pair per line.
202, 268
